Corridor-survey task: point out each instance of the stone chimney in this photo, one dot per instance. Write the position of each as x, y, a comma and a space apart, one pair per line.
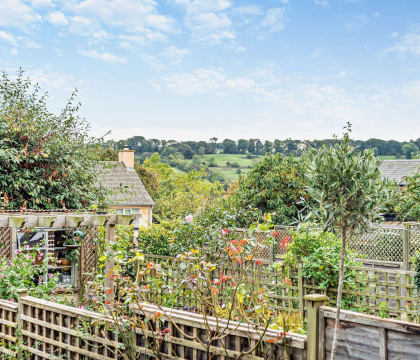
127, 157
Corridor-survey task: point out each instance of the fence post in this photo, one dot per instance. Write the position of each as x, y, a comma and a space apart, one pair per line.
406, 246
21, 294
314, 301
301, 292
406, 260
109, 266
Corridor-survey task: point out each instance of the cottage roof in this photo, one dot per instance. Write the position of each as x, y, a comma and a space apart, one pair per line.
117, 175
399, 169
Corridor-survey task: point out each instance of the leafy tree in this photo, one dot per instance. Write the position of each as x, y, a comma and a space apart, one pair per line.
167, 151
258, 146
186, 150
251, 146
278, 146
274, 184
47, 161
213, 143
183, 194
242, 146
229, 147
201, 150
410, 150
408, 199
162, 170
348, 194
268, 146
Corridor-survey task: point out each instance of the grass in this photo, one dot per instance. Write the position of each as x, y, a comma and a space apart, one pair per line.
387, 157
222, 159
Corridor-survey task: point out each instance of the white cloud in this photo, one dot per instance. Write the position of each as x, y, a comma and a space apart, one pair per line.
57, 18
394, 34
341, 75
175, 55
199, 82
153, 62
376, 15
210, 27
7, 37
409, 44
202, 81
53, 80
42, 3
322, 2
207, 6
274, 19
17, 14
104, 56
284, 1
239, 84
129, 14
240, 49
247, 10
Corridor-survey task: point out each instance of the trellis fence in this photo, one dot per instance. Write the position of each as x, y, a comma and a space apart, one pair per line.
35, 329
375, 291
396, 244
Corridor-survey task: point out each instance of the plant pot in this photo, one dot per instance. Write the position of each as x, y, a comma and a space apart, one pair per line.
71, 247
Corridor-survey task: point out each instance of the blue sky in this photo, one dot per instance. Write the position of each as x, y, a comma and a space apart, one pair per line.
194, 69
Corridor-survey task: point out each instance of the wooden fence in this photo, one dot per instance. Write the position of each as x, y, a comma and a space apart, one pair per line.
395, 244
375, 291
367, 337
35, 329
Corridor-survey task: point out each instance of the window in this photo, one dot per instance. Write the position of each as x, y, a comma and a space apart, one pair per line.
127, 211
120, 211
50, 241
135, 211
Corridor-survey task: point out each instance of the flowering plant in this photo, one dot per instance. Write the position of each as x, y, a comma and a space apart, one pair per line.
27, 270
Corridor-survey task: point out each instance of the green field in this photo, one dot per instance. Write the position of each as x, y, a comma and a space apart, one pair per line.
241, 159
222, 159
387, 157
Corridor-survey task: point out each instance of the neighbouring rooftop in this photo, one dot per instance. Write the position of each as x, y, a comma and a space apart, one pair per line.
119, 175
398, 169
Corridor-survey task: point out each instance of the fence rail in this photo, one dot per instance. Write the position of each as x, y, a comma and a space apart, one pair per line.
375, 291
397, 244
38, 329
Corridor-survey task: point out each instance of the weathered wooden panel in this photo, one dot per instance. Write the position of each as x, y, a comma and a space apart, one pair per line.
403, 346
355, 341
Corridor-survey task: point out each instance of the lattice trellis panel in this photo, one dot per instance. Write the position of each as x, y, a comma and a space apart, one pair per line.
414, 235
378, 244
88, 256
5, 242
284, 235
264, 247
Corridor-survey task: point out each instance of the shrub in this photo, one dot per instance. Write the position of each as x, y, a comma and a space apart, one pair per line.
155, 239
274, 184
234, 164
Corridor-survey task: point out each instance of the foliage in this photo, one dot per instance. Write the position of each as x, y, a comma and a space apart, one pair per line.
348, 194
407, 203
416, 263
155, 239
183, 194
410, 150
345, 185
24, 272
275, 184
48, 161
231, 294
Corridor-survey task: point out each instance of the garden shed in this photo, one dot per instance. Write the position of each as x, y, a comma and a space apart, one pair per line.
48, 231
397, 170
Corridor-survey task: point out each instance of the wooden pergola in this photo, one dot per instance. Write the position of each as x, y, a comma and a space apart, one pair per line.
59, 220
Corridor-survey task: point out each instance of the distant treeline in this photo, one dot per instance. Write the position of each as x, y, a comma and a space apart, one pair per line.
145, 147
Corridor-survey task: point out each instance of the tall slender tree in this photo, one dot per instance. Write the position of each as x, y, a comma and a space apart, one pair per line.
348, 195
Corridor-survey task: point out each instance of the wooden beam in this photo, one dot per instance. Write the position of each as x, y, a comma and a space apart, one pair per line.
109, 266
74, 221
46, 221
17, 221
4, 221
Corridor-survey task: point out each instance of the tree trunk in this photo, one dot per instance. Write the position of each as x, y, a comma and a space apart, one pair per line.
339, 293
